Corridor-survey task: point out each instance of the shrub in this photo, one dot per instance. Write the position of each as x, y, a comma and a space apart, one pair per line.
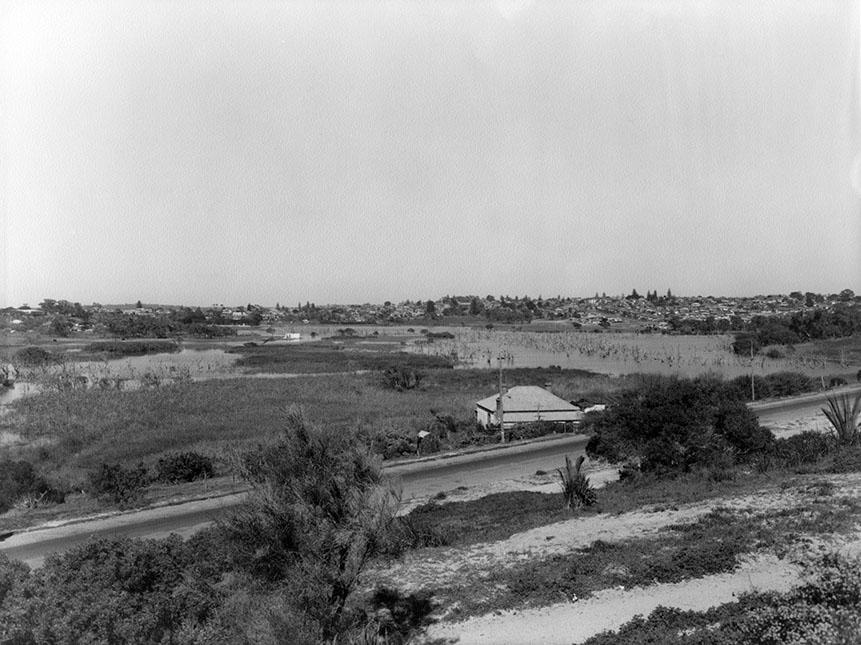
409, 533
34, 356
396, 616
576, 489
670, 425
184, 467
803, 448
19, 480
533, 430
317, 512
390, 443
402, 378
743, 342
118, 484
789, 383
108, 591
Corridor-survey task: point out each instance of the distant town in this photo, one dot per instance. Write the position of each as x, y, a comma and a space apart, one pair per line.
649, 313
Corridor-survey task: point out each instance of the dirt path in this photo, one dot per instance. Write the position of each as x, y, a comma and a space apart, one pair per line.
609, 609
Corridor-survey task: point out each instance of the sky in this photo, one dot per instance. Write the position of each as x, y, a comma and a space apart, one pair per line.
184, 152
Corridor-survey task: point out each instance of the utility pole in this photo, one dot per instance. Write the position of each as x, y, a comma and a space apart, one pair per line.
752, 386
499, 407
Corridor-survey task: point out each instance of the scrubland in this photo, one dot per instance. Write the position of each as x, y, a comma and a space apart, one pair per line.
705, 501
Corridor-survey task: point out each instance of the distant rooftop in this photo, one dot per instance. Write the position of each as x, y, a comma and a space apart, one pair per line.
528, 398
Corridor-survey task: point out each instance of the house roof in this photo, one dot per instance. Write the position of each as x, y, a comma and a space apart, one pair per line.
528, 398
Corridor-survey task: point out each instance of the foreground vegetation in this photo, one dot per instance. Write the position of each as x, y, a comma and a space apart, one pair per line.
316, 514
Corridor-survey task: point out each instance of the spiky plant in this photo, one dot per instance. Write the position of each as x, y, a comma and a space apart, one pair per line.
842, 412
576, 489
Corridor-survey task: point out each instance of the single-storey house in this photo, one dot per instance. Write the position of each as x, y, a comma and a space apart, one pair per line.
526, 404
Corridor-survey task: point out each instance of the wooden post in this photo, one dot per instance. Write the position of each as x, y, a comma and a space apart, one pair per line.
752, 383
499, 407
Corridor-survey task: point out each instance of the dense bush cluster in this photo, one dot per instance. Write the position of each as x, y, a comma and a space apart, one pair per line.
119, 484
536, 429
771, 385
673, 425
19, 481
122, 485
184, 467
402, 378
34, 356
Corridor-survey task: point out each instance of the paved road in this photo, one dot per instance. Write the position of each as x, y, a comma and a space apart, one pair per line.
417, 480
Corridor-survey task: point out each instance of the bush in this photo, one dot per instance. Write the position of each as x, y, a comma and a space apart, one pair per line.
533, 430
743, 342
390, 443
670, 425
803, 448
790, 383
34, 356
19, 480
397, 617
118, 484
184, 467
402, 378
318, 511
108, 591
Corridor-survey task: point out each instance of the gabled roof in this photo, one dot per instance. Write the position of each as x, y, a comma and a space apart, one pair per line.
528, 398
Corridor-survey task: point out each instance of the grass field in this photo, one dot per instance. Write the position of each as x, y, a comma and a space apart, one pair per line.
76, 430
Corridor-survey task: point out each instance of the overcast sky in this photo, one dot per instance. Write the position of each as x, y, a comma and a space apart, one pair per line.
214, 152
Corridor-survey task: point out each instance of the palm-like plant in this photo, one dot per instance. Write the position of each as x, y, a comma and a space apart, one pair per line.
576, 489
842, 412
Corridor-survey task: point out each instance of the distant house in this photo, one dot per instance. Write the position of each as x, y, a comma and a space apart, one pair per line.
526, 404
